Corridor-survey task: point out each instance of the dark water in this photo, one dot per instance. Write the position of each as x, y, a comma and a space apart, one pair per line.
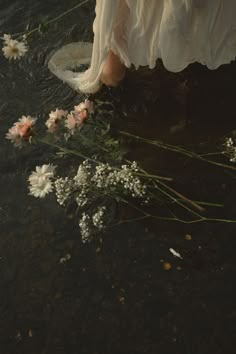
117, 300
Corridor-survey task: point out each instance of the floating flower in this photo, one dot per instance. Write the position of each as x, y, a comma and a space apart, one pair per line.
25, 126
21, 131
40, 180
71, 122
42, 188
82, 116
44, 171
15, 137
55, 118
6, 38
13, 49
86, 105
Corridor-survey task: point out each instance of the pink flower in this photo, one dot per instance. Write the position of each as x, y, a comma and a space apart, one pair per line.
21, 131
25, 125
54, 119
25, 131
71, 122
86, 105
82, 116
14, 135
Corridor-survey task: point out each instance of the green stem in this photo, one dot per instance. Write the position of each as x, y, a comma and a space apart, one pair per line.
28, 33
217, 205
176, 149
178, 202
212, 154
73, 152
182, 197
182, 221
191, 202
164, 218
148, 175
67, 151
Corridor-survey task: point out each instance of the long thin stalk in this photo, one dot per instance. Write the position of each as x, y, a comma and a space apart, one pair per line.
176, 149
67, 151
176, 219
189, 201
178, 202
76, 153
28, 33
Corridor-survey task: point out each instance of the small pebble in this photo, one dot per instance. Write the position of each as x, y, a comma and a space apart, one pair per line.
122, 299
167, 265
188, 237
65, 259
18, 335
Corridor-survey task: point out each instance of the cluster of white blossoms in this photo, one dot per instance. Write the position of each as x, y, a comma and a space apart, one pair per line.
13, 49
230, 149
126, 178
85, 228
41, 181
63, 189
82, 183
83, 175
91, 182
89, 225
98, 218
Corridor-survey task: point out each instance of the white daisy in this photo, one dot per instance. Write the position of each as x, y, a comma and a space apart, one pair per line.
41, 188
44, 171
40, 182
13, 49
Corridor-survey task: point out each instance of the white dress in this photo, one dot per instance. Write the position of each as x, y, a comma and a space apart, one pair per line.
140, 31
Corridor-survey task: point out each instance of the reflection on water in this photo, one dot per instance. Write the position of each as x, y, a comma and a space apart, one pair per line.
114, 297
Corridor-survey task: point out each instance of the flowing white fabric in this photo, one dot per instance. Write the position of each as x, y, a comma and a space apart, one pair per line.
141, 31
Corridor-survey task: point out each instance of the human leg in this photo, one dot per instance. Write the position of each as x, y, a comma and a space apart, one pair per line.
113, 70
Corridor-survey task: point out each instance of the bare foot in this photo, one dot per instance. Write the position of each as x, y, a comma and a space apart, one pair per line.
113, 71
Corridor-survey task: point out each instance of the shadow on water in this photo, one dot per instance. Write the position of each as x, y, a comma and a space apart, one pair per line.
116, 298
